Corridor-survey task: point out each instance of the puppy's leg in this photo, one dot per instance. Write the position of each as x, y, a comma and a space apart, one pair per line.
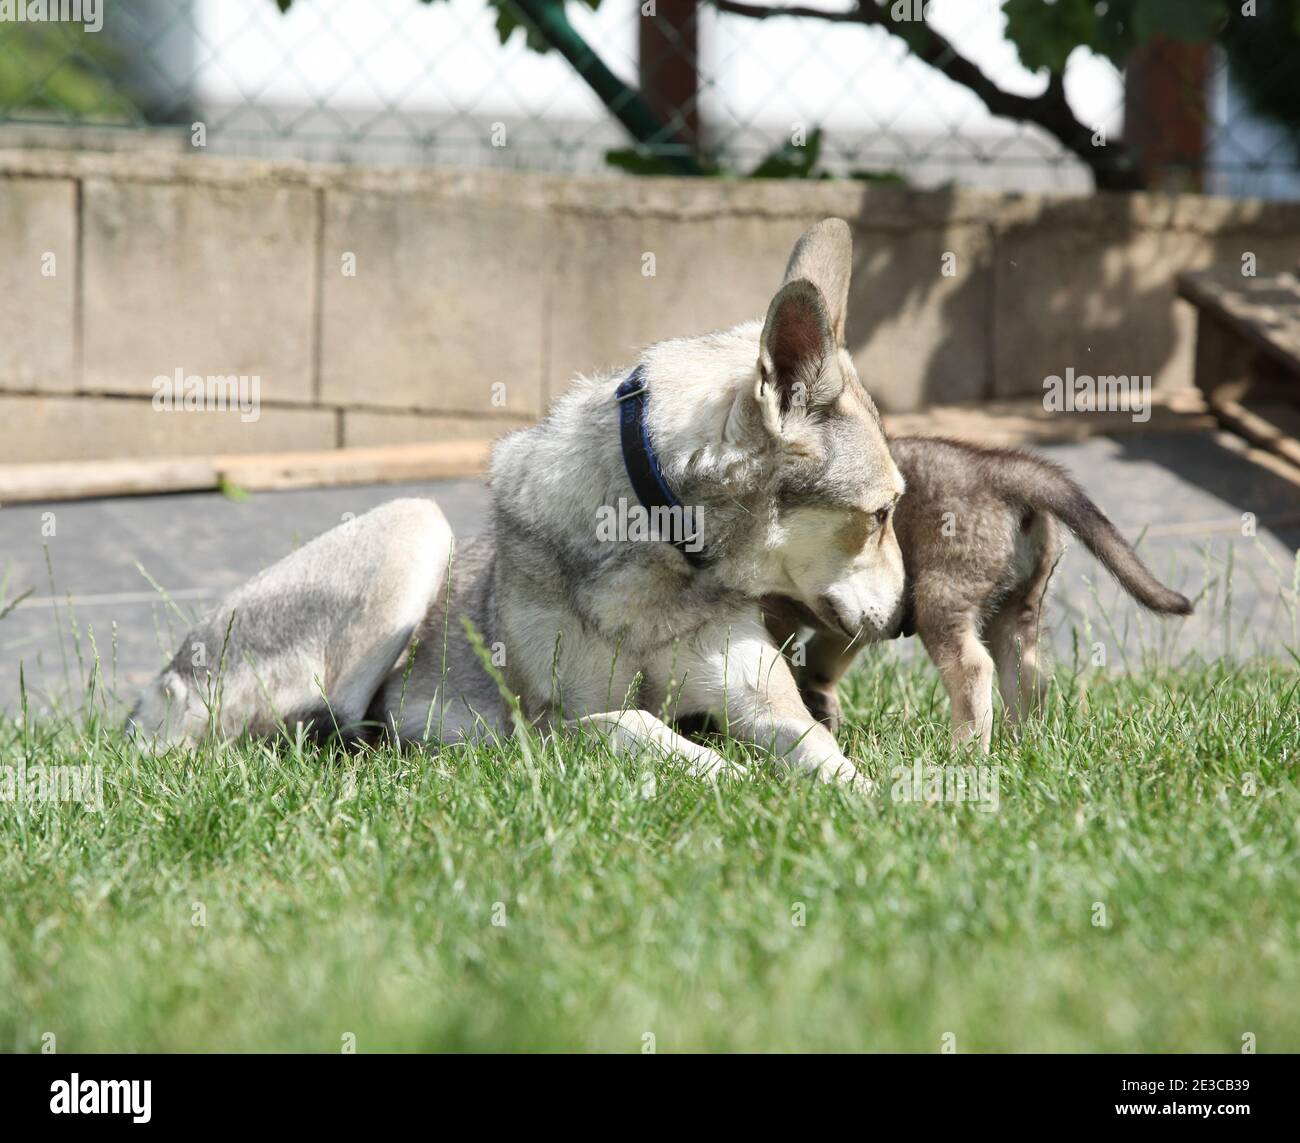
1013, 636
783, 622
1014, 631
818, 663
1007, 653
631, 732
828, 656
966, 668
739, 674
310, 638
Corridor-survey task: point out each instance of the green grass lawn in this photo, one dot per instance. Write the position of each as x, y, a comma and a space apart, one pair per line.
477, 900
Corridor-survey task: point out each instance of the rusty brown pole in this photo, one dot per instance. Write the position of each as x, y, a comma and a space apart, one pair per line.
1165, 113
668, 53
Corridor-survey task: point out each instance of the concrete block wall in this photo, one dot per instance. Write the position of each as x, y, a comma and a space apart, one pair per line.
407, 305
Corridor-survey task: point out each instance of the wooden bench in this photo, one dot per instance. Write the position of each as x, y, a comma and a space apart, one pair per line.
1248, 353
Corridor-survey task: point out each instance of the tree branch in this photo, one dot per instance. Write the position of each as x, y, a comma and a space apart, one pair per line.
758, 12
1111, 164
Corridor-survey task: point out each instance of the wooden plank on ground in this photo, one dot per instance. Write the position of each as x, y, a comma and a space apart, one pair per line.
1271, 425
381, 464
81, 480
388, 464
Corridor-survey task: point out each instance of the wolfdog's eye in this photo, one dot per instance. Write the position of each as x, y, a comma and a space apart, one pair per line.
883, 515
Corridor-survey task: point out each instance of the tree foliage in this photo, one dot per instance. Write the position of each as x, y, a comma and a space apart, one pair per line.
1261, 40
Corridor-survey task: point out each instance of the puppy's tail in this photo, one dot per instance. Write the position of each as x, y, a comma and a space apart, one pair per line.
1047, 487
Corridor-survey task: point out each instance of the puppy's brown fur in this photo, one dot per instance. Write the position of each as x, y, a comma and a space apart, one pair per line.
979, 534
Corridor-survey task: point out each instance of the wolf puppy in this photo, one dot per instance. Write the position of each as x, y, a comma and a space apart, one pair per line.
764, 431
978, 529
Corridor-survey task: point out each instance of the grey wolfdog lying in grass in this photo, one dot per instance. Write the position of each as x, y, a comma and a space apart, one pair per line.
765, 430
978, 530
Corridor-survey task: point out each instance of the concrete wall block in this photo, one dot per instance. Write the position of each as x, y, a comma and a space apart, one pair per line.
445, 311
364, 428
1097, 299
913, 331
1090, 283
623, 282
38, 280
40, 428
212, 280
919, 315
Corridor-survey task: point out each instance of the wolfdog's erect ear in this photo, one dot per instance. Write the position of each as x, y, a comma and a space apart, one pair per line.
795, 343
824, 256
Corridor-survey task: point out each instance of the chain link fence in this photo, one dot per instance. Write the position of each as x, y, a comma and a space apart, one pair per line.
711, 85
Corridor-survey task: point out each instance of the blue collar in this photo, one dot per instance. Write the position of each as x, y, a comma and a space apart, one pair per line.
639, 457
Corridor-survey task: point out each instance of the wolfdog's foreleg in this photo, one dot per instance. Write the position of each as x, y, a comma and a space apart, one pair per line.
631, 732
740, 675
310, 638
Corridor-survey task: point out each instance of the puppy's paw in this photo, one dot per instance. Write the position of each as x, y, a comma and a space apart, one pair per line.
825, 707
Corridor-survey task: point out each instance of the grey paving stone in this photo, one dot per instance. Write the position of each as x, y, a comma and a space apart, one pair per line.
196, 546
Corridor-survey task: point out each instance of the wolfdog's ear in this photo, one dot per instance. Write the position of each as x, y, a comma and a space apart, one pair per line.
795, 344
824, 256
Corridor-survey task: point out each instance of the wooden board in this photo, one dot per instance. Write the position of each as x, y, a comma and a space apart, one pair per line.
1268, 424
1264, 312
79, 480
1248, 354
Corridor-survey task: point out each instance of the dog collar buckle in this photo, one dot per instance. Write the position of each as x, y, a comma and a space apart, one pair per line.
634, 386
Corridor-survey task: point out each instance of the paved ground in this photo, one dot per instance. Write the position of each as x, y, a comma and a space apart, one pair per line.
1187, 490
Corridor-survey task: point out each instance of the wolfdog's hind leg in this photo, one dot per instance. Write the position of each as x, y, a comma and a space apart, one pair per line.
310, 638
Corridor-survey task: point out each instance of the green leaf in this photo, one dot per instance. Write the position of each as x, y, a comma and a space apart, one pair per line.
643, 161
888, 178
53, 67
789, 161
1187, 20
232, 491
1262, 51
636, 161
1046, 34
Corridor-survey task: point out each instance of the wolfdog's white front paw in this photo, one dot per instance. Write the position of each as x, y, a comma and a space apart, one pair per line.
842, 772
